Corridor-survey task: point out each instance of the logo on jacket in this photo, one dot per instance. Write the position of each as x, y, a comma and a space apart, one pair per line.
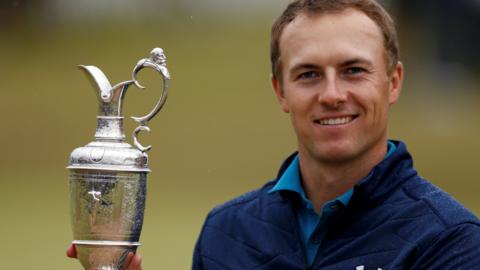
362, 267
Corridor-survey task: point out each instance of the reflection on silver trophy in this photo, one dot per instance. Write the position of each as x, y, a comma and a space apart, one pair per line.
108, 176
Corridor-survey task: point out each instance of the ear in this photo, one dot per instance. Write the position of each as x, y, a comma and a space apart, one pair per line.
277, 87
396, 81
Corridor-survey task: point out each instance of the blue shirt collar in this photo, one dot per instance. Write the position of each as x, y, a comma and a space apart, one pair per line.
291, 180
391, 149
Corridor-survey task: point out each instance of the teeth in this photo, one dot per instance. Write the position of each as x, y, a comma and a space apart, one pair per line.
336, 121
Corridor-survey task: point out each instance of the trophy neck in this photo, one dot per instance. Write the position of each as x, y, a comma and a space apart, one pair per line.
110, 102
110, 128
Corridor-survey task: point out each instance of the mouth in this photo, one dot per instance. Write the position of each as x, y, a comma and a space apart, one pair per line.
335, 121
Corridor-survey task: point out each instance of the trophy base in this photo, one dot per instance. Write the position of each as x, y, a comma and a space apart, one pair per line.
104, 255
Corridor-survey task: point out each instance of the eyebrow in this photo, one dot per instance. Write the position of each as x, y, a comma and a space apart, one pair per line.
354, 61
303, 66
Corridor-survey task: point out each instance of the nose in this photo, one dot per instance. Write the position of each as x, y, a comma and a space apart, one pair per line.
331, 94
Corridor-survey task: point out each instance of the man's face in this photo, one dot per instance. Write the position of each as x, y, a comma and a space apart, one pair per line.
336, 86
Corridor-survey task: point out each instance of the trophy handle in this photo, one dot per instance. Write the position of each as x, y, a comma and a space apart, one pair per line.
157, 61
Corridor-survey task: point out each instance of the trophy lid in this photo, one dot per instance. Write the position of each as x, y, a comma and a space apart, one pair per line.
109, 151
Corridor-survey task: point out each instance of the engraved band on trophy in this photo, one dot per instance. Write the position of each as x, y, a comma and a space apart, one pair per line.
108, 176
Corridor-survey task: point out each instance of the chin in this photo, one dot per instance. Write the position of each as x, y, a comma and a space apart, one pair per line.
335, 157
335, 153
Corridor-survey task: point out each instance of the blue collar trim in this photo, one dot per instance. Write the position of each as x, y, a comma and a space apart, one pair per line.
291, 180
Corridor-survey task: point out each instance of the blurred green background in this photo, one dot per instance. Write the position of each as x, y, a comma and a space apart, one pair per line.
221, 116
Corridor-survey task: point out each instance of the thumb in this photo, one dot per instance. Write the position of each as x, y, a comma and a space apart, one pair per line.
71, 251
135, 263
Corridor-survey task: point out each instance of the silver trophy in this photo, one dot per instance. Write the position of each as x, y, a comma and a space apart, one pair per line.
108, 176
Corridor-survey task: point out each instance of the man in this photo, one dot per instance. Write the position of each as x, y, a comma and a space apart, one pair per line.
349, 198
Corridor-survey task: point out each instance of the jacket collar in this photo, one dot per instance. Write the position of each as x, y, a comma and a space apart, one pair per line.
386, 176
382, 180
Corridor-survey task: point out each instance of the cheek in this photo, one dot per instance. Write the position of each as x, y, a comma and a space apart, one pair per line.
381, 107
295, 102
299, 114
374, 103
301, 110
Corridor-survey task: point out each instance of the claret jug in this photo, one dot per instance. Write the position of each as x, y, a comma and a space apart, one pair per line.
108, 176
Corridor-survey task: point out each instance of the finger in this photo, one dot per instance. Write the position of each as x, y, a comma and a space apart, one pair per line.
136, 263
129, 258
71, 251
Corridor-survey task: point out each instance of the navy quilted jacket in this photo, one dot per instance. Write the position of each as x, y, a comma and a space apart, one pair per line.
395, 220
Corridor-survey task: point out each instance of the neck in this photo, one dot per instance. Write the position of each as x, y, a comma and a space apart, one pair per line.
325, 181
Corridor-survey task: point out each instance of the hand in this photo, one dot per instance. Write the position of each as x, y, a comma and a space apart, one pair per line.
134, 261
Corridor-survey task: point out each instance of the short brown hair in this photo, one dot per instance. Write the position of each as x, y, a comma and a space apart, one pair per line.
318, 7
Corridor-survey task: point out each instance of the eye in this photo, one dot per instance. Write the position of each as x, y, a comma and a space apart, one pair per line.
307, 75
355, 70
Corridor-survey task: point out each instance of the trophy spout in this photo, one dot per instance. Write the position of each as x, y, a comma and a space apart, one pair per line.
99, 81
109, 97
